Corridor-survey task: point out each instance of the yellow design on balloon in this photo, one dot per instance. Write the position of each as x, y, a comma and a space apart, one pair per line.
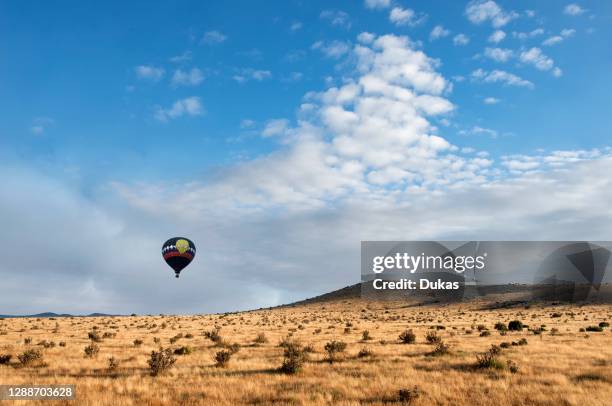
182, 246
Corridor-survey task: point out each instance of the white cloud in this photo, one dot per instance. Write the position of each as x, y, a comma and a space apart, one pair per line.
438, 32
535, 57
497, 36
295, 26
491, 100
40, 125
498, 54
190, 106
276, 127
525, 35
557, 39
182, 58
246, 74
573, 9
247, 124
148, 72
336, 17
530, 13
213, 37
333, 49
192, 77
377, 4
480, 11
461, 39
500, 76
405, 16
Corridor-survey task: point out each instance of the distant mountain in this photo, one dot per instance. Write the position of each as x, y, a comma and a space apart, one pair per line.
50, 314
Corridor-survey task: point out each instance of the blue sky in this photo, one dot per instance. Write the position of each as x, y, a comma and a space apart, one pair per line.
72, 67
278, 135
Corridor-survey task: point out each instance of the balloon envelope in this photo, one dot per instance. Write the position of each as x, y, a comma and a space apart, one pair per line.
178, 252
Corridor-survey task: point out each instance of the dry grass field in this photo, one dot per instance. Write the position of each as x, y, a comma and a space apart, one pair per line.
560, 364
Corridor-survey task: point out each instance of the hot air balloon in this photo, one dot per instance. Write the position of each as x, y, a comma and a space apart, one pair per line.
178, 252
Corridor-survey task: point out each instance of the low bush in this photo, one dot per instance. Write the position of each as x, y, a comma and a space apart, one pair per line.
294, 358
29, 357
515, 325
409, 395
91, 350
5, 359
407, 337
334, 349
161, 361
433, 338
222, 358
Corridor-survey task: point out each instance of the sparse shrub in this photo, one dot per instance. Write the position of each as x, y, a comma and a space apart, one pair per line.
62, 344
184, 350
554, 331
481, 327
604, 324
515, 325
233, 348
91, 350
138, 342
365, 336
189, 336
161, 361
222, 358
485, 333
556, 315
27, 340
441, 349
409, 395
505, 345
365, 352
512, 366
407, 337
334, 348
28, 357
489, 358
294, 358
261, 338
156, 340
594, 328
347, 330
499, 326
213, 335
109, 334
113, 364
5, 359
433, 338
94, 336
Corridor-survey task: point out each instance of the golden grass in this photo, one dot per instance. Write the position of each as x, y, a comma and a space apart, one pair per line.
567, 368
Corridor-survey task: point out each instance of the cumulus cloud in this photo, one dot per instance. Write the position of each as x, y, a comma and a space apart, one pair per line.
500, 76
573, 9
336, 17
192, 77
480, 11
497, 36
405, 16
148, 72
377, 4
491, 100
525, 35
213, 37
498, 54
557, 39
438, 32
461, 39
190, 106
246, 74
536, 57
333, 49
